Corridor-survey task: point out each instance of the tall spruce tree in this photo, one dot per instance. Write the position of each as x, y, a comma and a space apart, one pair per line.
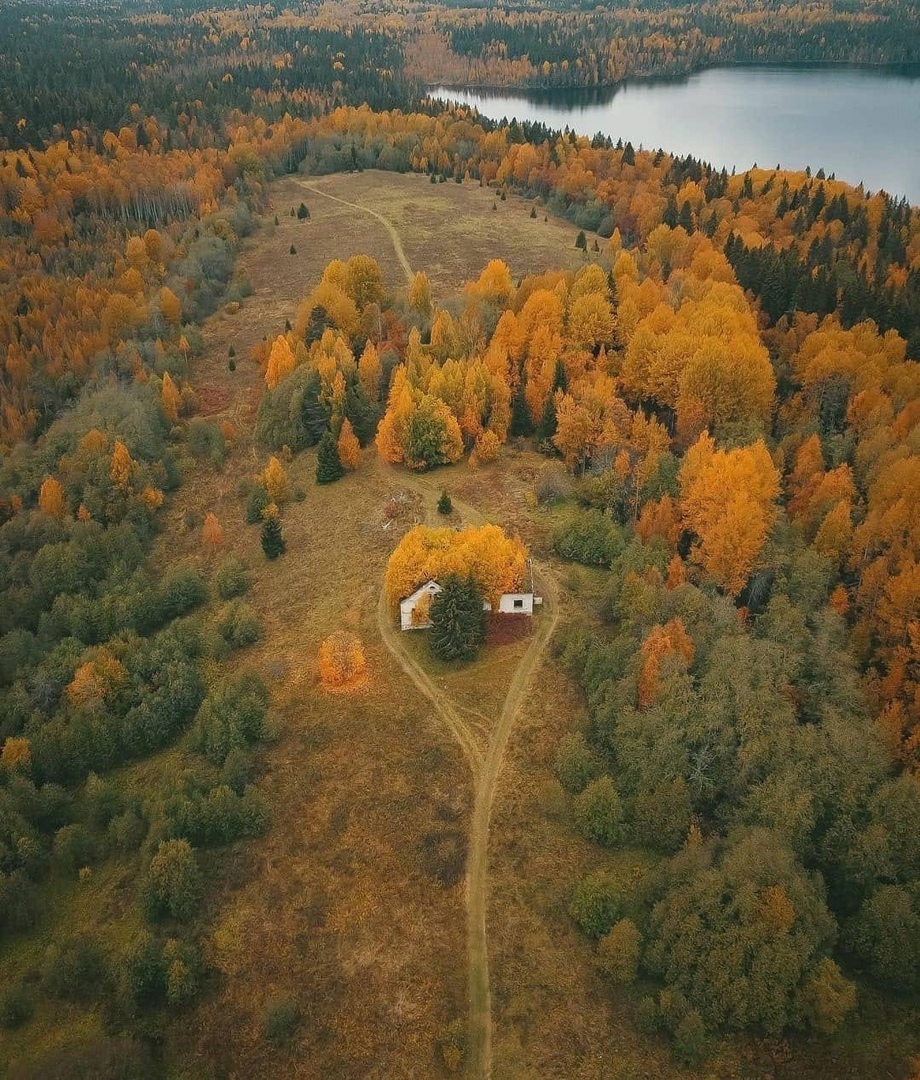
328, 464
458, 622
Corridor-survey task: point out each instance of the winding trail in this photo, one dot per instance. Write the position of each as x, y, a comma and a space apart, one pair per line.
485, 766
390, 228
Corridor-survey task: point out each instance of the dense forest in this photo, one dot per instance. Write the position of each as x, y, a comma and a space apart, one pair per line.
729, 385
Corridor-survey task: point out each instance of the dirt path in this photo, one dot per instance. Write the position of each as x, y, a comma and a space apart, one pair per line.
392, 638
394, 235
485, 767
477, 877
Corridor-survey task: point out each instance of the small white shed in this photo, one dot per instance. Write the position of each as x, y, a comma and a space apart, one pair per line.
414, 610
515, 603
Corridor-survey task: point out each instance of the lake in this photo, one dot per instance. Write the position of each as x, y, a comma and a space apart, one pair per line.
861, 123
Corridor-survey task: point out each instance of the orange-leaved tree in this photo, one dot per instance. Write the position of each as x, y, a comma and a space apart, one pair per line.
495, 561
342, 664
669, 640
349, 447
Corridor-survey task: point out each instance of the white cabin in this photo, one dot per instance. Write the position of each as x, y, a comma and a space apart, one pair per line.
414, 610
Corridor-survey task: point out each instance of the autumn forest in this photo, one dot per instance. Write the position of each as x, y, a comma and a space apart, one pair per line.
282, 339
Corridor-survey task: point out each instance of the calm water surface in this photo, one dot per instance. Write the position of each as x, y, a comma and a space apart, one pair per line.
862, 124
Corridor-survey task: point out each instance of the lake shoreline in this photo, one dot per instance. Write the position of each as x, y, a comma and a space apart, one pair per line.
860, 122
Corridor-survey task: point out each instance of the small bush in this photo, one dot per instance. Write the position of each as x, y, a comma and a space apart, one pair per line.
73, 969
575, 766
599, 812
596, 904
182, 590
126, 831
232, 717
551, 488
282, 1015
239, 626
231, 579
206, 440
173, 884
74, 848
445, 505
589, 537
689, 1046
256, 502
618, 952
648, 1018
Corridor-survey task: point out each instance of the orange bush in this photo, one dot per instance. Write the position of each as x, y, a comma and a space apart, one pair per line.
342, 664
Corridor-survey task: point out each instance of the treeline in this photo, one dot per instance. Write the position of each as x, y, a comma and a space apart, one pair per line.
579, 45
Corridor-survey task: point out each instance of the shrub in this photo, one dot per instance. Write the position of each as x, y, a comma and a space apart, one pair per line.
341, 660
599, 813
181, 964
73, 969
589, 537
206, 440
231, 579
689, 1046
183, 589
256, 503
445, 505
239, 626
552, 487
575, 765
282, 1015
173, 882
596, 904
231, 718
73, 848
126, 831
618, 952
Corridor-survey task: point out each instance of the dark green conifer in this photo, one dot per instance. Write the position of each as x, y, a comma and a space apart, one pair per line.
328, 465
458, 622
272, 539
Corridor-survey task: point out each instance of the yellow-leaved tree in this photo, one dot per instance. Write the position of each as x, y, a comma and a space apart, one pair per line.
727, 498
281, 362
51, 498
496, 562
276, 481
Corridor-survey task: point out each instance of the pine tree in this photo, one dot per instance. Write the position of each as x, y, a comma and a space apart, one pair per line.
445, 505
272, 539
328, 464
581, 241
521, 424
458, 622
